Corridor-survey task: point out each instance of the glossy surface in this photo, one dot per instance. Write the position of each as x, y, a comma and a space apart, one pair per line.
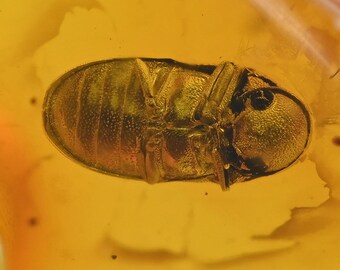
83, 218
160, 120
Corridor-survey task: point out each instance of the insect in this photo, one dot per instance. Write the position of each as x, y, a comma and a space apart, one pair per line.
160, 120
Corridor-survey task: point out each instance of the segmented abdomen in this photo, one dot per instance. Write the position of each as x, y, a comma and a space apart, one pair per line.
97, 113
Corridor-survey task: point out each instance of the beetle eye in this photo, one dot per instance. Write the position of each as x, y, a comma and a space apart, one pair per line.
261, 99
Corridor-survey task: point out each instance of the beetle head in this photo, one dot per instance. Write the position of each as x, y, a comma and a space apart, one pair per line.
271, 129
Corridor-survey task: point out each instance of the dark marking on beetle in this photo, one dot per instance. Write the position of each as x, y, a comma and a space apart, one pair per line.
206, 193
32, 221
336, 140
228, 134
114, 257
256, 165
232, 157
261, 99
33, 101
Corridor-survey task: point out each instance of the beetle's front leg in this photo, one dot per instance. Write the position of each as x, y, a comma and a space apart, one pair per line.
217, 94
147, 88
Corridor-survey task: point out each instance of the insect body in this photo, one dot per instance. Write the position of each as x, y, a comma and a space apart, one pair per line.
160, 120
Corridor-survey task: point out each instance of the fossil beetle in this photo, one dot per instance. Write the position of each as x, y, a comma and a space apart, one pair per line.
161, 120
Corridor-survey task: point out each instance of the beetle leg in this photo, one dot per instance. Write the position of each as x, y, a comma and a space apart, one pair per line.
153, 140
153, 159
205, 108
217, 93
220, 172
154, 113
144, 76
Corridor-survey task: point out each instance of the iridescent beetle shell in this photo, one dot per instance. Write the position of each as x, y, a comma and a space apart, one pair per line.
160, 120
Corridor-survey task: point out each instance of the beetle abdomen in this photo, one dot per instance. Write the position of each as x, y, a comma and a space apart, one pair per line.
97, 113
109, 114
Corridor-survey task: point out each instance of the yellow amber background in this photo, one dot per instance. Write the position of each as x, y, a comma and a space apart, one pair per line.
56, 214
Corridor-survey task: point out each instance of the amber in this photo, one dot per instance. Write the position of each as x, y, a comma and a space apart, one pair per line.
55, 214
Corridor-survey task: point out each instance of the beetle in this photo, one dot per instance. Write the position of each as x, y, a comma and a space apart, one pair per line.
160, 120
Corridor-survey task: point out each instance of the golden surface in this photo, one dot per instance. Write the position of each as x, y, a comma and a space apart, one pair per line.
159, 120
55, 214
